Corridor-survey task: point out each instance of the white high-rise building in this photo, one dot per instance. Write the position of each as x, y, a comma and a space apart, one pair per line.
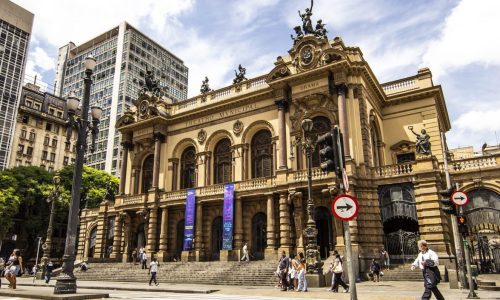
15, 32
123, 54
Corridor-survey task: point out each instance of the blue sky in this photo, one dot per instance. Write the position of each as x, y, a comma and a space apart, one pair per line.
458, 40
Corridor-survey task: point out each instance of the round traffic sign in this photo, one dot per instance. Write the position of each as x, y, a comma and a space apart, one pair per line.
345, 207
459, 198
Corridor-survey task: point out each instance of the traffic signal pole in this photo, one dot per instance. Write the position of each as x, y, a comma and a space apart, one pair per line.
454, 224
472, 293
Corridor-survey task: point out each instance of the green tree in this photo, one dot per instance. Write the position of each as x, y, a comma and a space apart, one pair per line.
9, 204
96, 187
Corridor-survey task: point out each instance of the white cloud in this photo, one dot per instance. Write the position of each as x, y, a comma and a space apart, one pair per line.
41, 59
475, 128
245, 11
470, 35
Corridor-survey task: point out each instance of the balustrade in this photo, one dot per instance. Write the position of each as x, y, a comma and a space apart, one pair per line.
406, 84
473, 164
394, 170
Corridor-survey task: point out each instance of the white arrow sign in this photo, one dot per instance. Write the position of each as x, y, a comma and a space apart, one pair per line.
459, 198
345, 207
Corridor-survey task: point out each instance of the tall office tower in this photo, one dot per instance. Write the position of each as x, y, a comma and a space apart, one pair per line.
123, 55
15, 33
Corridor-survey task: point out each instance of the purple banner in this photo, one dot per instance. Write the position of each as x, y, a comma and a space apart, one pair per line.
227, 217
189, 220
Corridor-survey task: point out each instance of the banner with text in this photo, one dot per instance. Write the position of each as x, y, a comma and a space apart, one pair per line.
189, 220
227, 217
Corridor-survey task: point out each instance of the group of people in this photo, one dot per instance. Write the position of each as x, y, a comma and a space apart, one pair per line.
12, 268
291, 272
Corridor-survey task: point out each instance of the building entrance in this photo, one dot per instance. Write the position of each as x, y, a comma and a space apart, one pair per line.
216, 238
324, 225
259, 243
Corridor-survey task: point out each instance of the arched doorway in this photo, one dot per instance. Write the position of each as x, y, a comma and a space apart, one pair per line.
483, 220
216, 238
325, 239
140, 240
147, 173
92, 241
180, 237
259, 241
399, 219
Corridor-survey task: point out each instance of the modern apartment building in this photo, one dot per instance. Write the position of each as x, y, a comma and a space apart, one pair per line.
15, 33
123, 55
40, 131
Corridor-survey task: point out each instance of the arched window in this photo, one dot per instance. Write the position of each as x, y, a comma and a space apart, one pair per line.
262, 154
375, 140
188, 167
321, 125
147, 173
222, 162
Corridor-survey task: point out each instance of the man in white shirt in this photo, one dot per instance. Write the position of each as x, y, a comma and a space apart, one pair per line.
427, 260
245, 253
153, 269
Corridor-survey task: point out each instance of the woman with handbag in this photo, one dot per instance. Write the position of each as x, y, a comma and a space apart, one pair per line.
15, 265
337, 272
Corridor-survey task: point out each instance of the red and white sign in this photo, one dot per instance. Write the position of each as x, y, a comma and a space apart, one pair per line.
345, 207
459, 198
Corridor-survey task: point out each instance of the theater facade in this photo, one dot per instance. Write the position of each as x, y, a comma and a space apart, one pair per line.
247, 138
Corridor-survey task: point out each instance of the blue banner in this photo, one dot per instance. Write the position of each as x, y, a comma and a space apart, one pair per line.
189, 220
227, 217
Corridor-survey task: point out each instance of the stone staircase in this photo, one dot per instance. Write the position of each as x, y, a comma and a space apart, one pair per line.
487, 285
259, 273
402, 273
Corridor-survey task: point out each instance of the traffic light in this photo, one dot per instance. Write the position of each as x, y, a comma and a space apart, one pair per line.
327, 153
462, 225
448, 206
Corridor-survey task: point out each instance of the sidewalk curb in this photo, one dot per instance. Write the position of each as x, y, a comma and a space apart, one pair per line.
117, 288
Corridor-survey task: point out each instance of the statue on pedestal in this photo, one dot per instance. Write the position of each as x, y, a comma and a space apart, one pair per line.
423, 143
240, 75
205, 88
306, 20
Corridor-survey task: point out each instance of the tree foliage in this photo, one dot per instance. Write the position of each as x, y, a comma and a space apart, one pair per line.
9, 204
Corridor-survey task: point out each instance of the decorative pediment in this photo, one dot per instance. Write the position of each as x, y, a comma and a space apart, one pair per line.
403, 146
281, 70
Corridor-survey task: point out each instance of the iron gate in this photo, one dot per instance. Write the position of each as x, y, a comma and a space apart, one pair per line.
401, 245
486, 254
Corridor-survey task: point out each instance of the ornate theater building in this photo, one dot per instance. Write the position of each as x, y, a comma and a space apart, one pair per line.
204, 176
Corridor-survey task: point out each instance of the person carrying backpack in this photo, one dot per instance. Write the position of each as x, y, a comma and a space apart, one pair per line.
375, 269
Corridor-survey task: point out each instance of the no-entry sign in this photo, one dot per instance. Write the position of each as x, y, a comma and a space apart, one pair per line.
345, 207
459, 198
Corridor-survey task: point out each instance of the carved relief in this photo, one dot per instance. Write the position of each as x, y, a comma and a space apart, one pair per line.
202, 136
237, 128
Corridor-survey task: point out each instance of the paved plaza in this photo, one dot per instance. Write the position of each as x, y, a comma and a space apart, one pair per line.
391, 290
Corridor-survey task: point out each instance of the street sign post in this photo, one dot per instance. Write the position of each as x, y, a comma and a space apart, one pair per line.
459, 198
345, 207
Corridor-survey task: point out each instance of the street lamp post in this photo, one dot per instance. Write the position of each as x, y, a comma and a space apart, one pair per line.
54, 195
313, 258
66, 281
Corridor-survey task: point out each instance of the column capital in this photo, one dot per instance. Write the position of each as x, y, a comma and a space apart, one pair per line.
282, 104
341, 89
158, 136
127, 145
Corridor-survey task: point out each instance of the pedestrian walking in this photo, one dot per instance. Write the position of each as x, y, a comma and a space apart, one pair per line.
153, 269
144, 260
337, 272
294, 272
302, 282
384, 255
2, 270
332, 265
375, 270
48, 271
14, 266
427, 260
245, 256
283, 271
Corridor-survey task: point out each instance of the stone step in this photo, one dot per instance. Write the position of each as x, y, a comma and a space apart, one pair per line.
486, 283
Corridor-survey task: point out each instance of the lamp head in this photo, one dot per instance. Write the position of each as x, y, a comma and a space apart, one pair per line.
89, 63
307, 124
73, 102
96, 112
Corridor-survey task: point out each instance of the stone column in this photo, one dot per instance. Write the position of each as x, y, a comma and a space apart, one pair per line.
175, 163
299, 224
137, 175
162, 253
126, 145
343, 122
198, 236
159, 139
238, 162
270, 252
285, 242
117, 241
152, 224
282, 106
238, 224
207, 169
